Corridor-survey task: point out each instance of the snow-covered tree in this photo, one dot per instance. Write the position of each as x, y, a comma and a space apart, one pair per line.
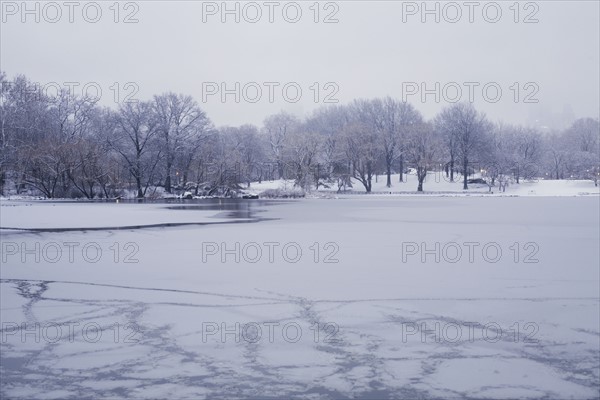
423, 147
182, 127
136, 139
465, 129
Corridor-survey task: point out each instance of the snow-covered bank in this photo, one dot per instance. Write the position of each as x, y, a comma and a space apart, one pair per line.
437, 184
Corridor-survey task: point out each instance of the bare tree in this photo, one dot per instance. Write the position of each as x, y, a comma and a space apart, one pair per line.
303, 156
498, 156
25, 122
585, 134
182, 125
466, 128
68, 146
557, 155
397, 121
330, 123
361, 145
527, 152
8, 146
423, 147
584, 140
50, 153
136, 140
245, 150
445, 126
277, 128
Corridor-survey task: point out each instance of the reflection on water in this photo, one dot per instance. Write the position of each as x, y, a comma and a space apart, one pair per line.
232, 208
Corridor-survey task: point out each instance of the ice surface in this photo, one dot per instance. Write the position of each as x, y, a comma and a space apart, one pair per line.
378, 323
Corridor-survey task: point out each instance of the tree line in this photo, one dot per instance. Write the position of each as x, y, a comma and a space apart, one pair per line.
69, 146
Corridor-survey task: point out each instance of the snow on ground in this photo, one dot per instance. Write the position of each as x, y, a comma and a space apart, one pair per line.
437, 183
364, 297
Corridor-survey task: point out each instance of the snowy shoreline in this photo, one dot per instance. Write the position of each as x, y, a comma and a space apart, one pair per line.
541, 188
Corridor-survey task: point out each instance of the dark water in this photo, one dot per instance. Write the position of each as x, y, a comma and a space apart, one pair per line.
232, 208
236, 211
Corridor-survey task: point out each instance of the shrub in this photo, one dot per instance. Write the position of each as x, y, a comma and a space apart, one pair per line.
282, 193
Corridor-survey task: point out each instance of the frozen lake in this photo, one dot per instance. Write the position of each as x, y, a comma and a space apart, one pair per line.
363, 297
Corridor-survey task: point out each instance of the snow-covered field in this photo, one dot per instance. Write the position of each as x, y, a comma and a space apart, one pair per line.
437, 184
360, 297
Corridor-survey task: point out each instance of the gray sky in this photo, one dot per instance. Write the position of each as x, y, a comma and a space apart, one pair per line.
377, 48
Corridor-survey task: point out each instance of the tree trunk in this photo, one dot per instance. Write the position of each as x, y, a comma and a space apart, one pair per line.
421, 175
168, 183
168, 178
401, 162
389, 175
465, 165
138, 182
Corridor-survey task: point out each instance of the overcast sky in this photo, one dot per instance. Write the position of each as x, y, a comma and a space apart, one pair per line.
375, 49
